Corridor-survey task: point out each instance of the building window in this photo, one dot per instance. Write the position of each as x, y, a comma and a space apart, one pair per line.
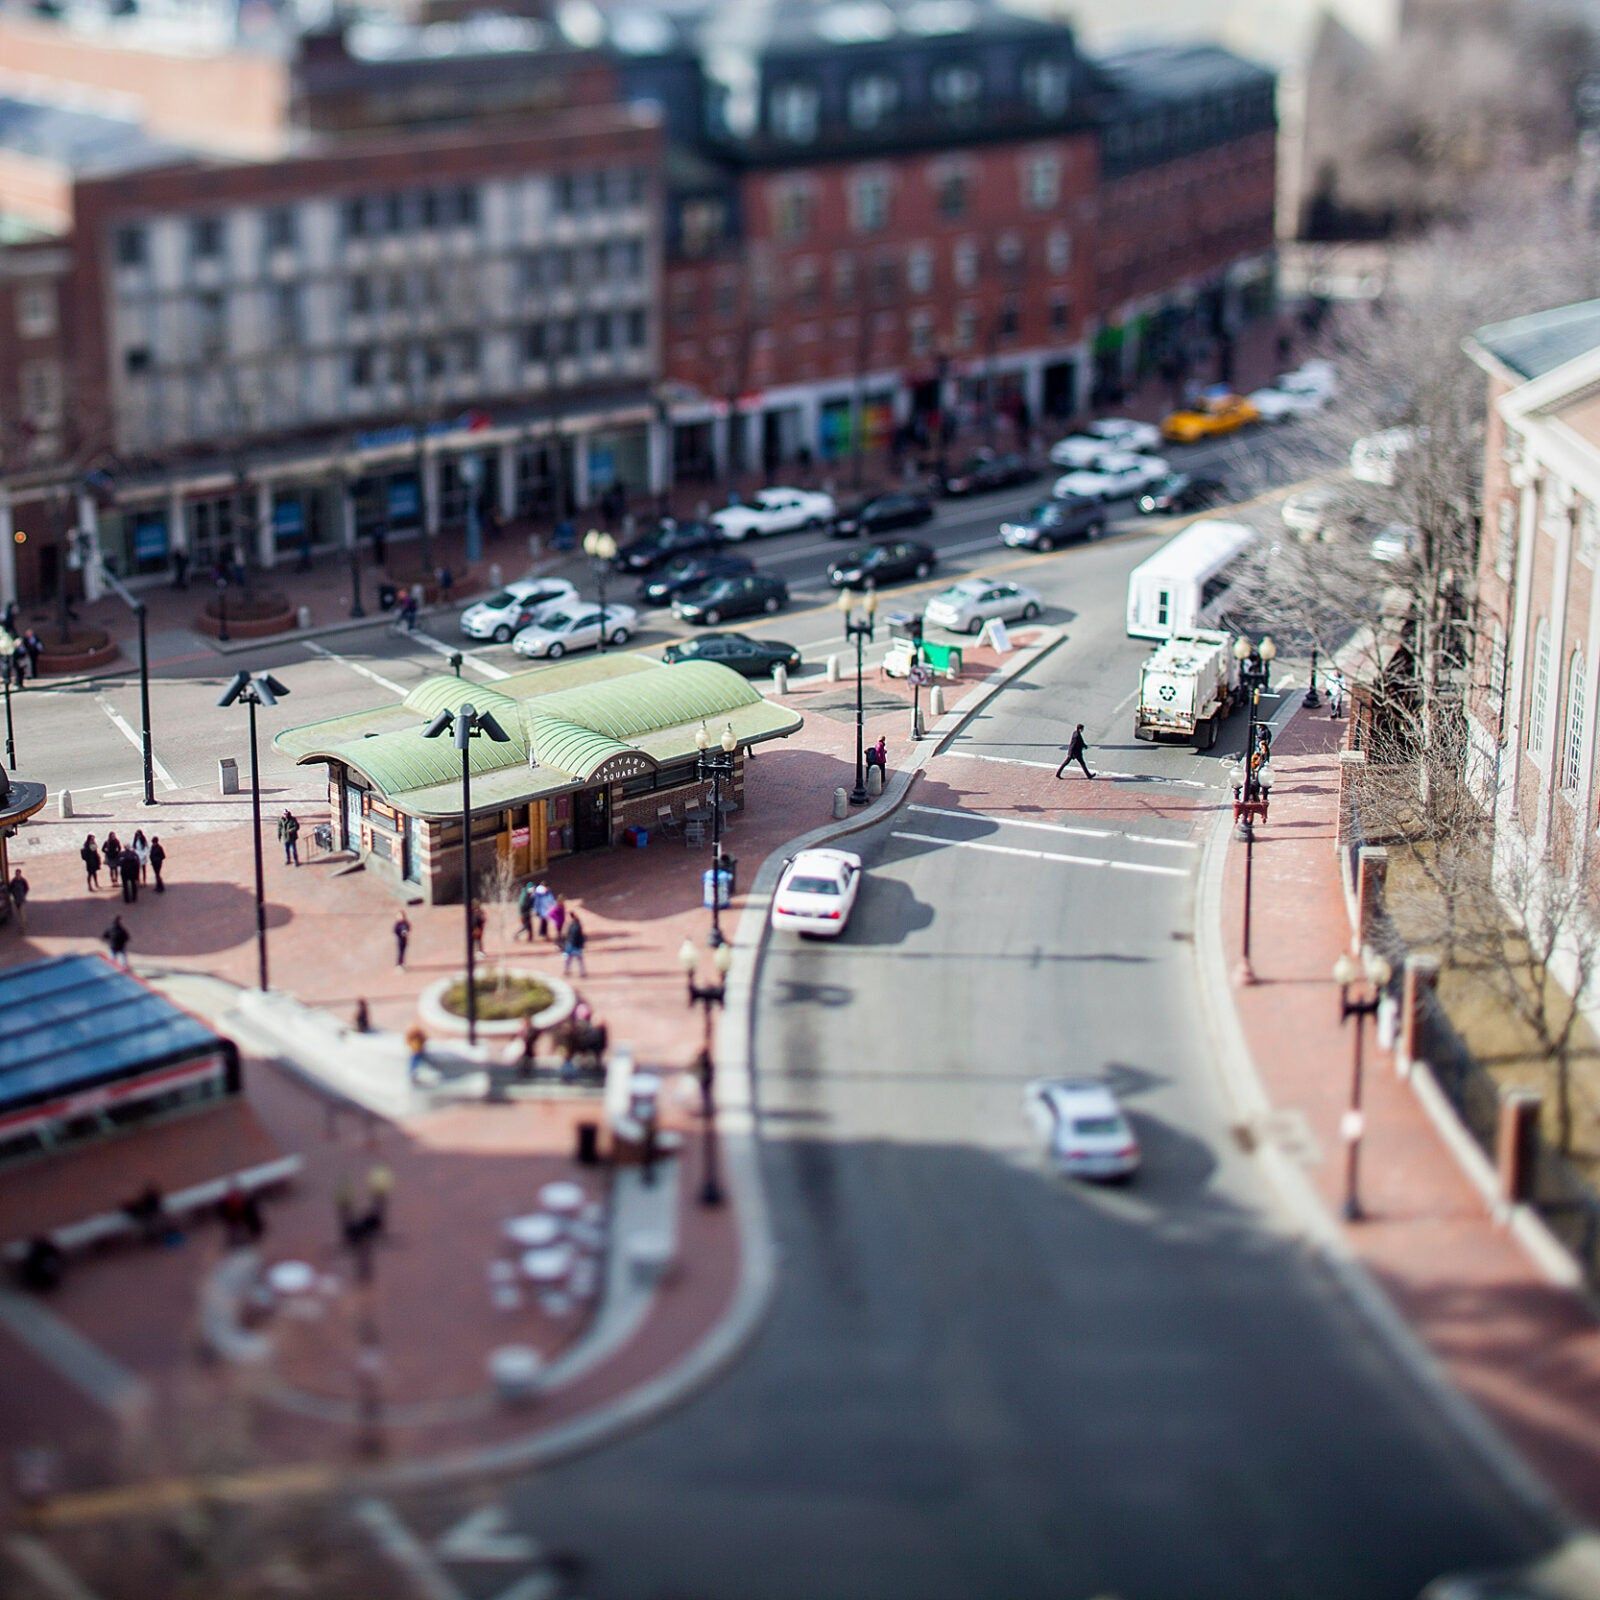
465, 207
794, 208
952, 188
210, 323
966, 328
533, 346
280, 228
358, 295
921, 333
844, 278
40, 383
1058, 251
1060, 313
136, 360
1046, 84
568, 339
1588, 531
919, 269
701, 224
467, 350
965, 262
956, 87
638, 330
807, 284
886, 277
1011, 254
130, 246
353, 219
873, 99
1572, 755
600, 334
36, 310
286, 312
360, 369
792, 112
1010, 322
1496, 686
205, 238
869, 202
1539, 704
1041, 182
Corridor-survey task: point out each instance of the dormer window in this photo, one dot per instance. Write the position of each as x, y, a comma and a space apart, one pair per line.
873, 99
792, 111
1046, 85
956, 87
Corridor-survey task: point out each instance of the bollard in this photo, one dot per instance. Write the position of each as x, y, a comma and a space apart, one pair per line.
64, 803
841, 805
833, 669
496, 578
228, 775
874, 780
935, 702
780, 679
302, 617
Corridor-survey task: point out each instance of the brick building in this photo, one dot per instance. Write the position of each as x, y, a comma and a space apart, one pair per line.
1531, 714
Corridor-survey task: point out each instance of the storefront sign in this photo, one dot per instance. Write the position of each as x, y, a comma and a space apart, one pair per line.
404, 500
150, 537
288, 517
385, 438
631, 764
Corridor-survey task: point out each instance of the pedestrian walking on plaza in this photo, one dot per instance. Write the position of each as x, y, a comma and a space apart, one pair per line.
117, 941
557, 917
525, 911
417, 1044
111, 854
34, 645
158, 859
141, 848
380, 546
8, 619
544, 902
573, 940
180, 569
528, 1050
231, 1209
402, 937
1075, 752
289, 837
446, 580
1334, 683
480, 925
128, 872
363, 1017
18, 889
91, 861
380, 1186
19, 664
408, 611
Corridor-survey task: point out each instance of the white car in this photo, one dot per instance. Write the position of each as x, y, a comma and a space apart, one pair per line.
1314, 374
1080, 450
574, 625
776, 511
1122, 433
1084, 1130
1311, 512
1284, 403
1376, 457
965, 606
1115, 477
817, 892
1398, 541
512, 608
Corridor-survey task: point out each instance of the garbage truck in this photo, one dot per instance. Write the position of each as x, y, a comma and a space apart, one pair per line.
1187, 687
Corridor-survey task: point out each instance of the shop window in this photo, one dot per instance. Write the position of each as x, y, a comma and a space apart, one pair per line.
280, 228
205, 238
638, 330
130, 246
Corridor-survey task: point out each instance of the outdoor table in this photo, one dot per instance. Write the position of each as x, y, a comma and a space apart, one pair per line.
562, 1198
534, 1232
291, 1277
550, 1265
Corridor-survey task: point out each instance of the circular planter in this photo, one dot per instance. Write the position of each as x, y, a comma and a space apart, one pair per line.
85, 649
249, 617
430, 1006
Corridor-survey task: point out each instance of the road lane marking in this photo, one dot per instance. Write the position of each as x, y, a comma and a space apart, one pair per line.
1043, 855
1057, 827
354, 666
407, 1552
468, 659
131, 734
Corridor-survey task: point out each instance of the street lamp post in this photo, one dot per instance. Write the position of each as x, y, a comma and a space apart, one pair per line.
1245, 811
1312, 699
257, 689
716, 766
709, 997
601, 548
7, 668
1346, 972
861, 632
466, 725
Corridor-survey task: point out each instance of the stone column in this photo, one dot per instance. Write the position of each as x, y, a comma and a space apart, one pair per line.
1351, 765
508, 479
177, 524
580, 471
1419, 976
1372, 868
8, 553
266, 540
89, 527
658, 451
430, 493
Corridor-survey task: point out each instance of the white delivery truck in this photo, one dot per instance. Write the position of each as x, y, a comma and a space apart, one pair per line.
1187, 688
1184, 585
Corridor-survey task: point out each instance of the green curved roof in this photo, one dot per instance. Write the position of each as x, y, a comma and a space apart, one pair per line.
626, 708
446, 693
579, 752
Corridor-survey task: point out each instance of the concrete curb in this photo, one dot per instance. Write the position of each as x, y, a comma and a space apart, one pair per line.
1305, 1215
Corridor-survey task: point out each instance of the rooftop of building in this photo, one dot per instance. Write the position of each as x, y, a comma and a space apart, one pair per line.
1540, 342
1157, 74
84, 142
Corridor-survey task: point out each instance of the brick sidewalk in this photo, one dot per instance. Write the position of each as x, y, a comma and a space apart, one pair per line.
1527, 1351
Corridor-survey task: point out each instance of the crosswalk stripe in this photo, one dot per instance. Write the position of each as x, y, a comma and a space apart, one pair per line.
1050, 766
1057, 827
468, 659
1043, 855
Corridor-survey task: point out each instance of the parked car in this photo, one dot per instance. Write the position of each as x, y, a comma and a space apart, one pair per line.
986, 471
1314, 512
1212, 415
816, 893
1122, 433
1313, 374
1084, 1130
512, 608
1398, 541
1181, 491
965, 606
883, 563
666, 540
574, 625
883, 513
683, 573
738, 596
1053, 523
755, 658
1376, 457
1117, 477
1081, 450
1279, 404
775, 511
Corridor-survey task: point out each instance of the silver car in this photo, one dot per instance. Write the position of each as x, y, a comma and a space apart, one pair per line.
965, 606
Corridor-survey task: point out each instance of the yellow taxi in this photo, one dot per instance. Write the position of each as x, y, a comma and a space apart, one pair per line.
1211, 415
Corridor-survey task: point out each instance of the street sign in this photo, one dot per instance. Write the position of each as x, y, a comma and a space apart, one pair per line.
920, 675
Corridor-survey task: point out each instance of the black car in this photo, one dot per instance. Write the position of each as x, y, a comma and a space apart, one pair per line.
683, 573
986, 471
731, 597
1053, 523
882, 513
755, 658
666, 540
883, 563
1181, 491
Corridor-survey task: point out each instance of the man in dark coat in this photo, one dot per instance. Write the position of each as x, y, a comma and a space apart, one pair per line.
128, 871
1075, 750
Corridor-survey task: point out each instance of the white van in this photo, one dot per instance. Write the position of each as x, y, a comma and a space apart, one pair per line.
1184, 584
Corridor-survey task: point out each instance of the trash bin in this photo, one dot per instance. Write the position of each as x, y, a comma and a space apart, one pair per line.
716, 888
588, 1150
731, 867
387, 596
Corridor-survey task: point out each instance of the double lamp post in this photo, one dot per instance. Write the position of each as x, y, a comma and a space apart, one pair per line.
709, 997
1347, 972
861, 630
1252, 779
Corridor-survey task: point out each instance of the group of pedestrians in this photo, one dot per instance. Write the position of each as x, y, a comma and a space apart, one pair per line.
539, 903
127, 864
